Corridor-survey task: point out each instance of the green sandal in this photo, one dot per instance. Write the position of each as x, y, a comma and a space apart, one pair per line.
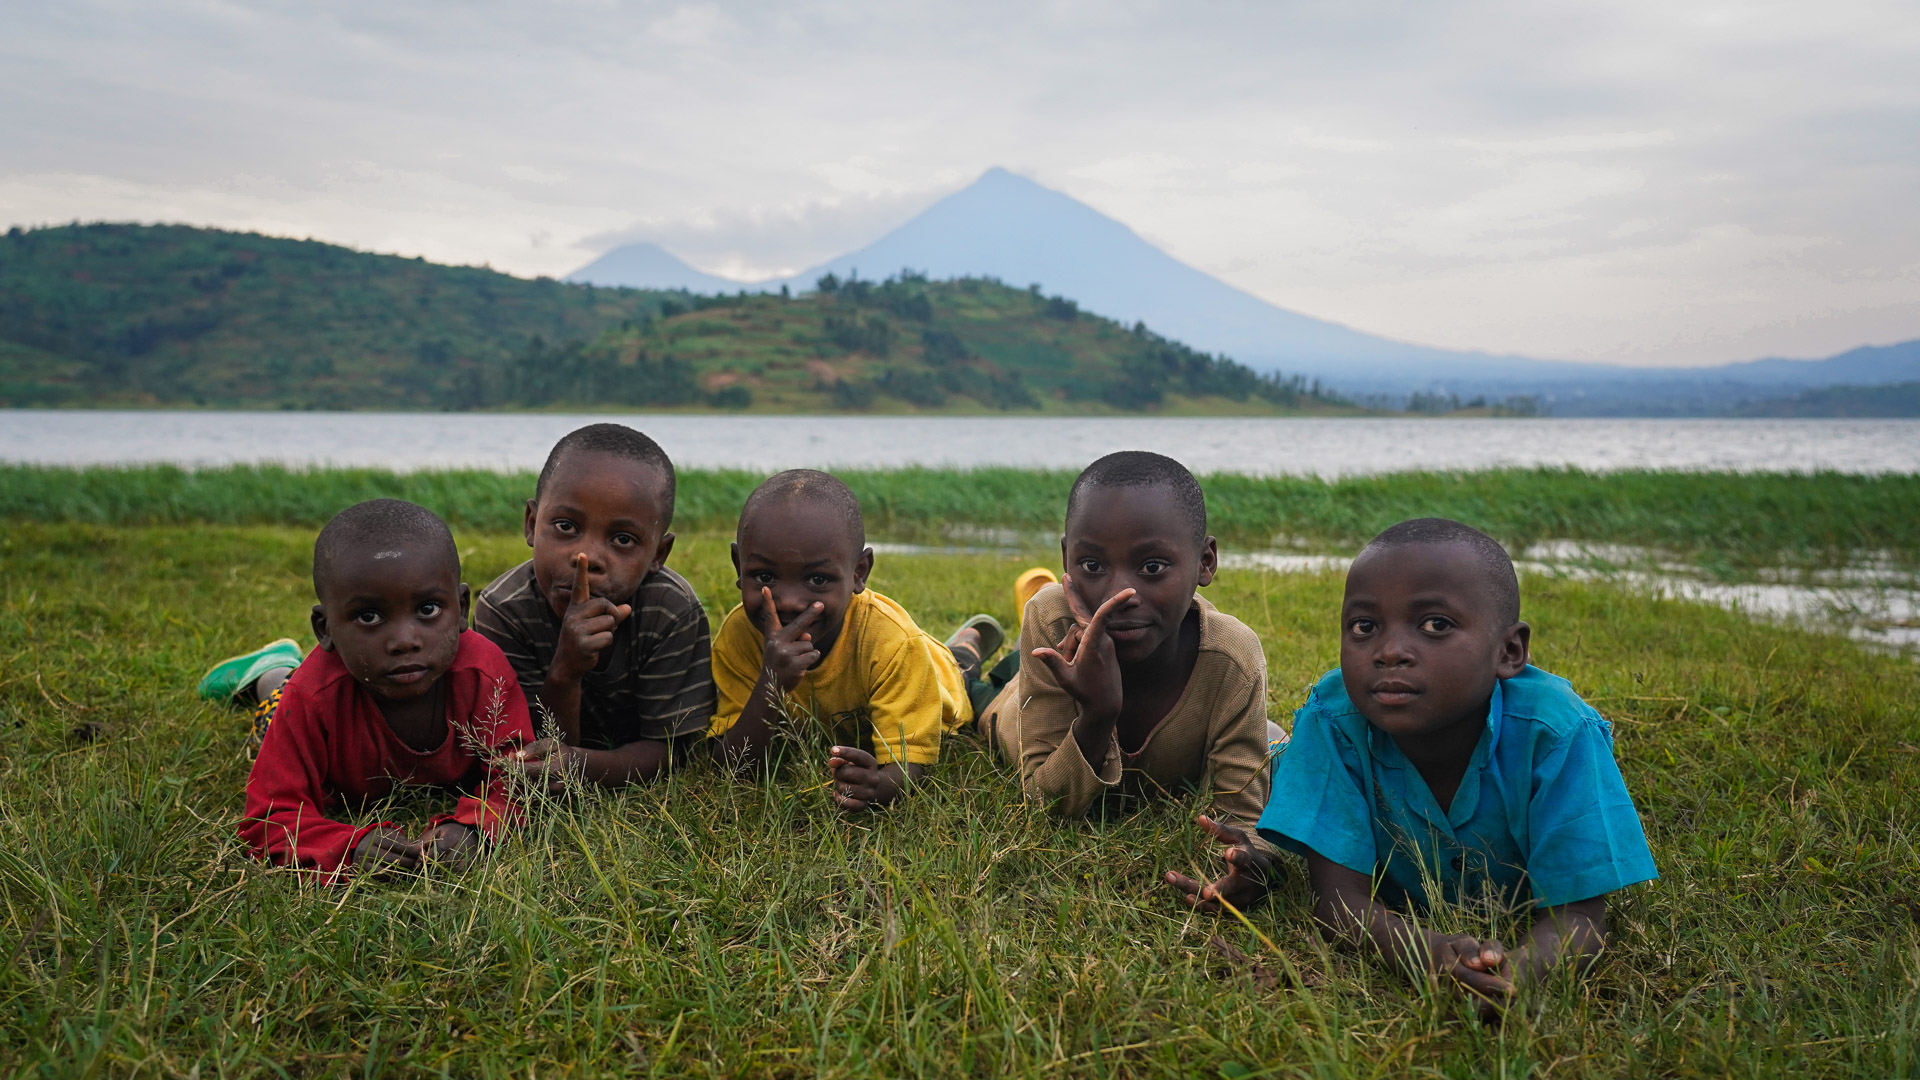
992, 635
236, 673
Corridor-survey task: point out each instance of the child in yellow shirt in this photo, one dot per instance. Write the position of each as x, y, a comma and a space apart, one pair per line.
809, 639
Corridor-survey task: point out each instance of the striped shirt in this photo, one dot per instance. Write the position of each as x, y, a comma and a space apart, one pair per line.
654, 682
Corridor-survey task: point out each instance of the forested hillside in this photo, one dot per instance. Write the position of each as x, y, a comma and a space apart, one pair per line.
122, 314
170, 315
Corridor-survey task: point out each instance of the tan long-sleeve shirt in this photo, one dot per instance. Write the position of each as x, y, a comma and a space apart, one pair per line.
1213, 739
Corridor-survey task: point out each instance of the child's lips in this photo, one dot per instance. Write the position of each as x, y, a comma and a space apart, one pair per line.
411, 673
1394, 693
1128, 633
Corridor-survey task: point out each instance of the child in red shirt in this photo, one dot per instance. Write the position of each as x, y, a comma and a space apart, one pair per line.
399, 692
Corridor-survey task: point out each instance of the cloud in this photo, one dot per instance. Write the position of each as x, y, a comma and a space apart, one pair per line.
1598, 178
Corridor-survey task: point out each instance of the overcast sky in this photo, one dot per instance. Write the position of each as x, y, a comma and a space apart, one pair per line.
1646, 182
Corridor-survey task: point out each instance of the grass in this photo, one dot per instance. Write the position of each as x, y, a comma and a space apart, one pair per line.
1729, 521
704, 926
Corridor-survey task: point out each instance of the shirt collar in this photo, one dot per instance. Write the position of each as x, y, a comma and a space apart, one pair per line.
1466, 799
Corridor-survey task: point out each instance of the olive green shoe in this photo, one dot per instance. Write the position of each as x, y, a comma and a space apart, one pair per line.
992, 636
236, 673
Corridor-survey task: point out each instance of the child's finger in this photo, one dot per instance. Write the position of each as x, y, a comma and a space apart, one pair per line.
1184, 883
1226, 834
1097, 626
773, 613
620, 613
580, 594
856, 756
1054, 661
794, 628
1075, 604
536, 750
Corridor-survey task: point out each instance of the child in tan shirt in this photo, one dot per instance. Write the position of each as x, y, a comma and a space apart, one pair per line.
1129, 684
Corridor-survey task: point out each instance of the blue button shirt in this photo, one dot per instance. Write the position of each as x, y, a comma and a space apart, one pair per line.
1541, 813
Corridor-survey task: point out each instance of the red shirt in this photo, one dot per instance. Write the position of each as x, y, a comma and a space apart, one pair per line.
329, 743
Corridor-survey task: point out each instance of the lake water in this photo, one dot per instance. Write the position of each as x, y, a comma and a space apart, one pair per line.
1322, 447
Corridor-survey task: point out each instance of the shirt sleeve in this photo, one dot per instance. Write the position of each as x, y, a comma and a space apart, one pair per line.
904, 704
736, 669
1586, 839
287, 796
1320, 801
1237, 756
500, 725
676, 681
1052, 768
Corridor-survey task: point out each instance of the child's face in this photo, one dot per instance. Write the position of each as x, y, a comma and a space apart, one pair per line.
608, 507
805, 554
1422, 639
393, 616
1136, 537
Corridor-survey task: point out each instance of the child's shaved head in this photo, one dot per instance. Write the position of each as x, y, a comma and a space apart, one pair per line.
379, 525
1502, 584
810, 486
614, 440
1142, 468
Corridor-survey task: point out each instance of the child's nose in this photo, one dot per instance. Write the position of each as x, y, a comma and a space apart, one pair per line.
1396, 650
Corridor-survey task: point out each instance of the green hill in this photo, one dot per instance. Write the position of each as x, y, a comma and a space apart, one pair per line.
171, 315
126, 314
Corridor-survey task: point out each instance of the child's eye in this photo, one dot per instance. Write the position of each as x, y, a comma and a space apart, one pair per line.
367, 618
563, 526
1361, 627
1436, 624
761, 577
1153, 567
819, 581
431, 609
625, 540
1088, 566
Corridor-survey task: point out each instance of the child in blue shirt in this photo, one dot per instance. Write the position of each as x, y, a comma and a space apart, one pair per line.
1437, 757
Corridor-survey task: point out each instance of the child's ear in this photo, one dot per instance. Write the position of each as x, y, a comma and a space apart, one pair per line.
526, 526
1513, 651
660, 553
862, 567
733, 552
1209, 562
466, 606
320, 633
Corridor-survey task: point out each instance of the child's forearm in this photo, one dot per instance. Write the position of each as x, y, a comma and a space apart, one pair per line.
636, 762
560, 694
1344, 907
1569, 934
895, 780
1094, 732
745, 743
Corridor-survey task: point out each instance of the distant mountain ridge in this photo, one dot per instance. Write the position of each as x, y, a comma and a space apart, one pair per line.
1008, 227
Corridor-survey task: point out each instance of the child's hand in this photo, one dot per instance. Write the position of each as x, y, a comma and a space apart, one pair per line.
547, 762
587, 628
1083, 662
385, 851
789, 651
1480, 967
1243, 885
450, 844
857, 780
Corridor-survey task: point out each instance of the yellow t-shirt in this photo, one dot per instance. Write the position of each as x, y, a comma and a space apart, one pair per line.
886, 679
